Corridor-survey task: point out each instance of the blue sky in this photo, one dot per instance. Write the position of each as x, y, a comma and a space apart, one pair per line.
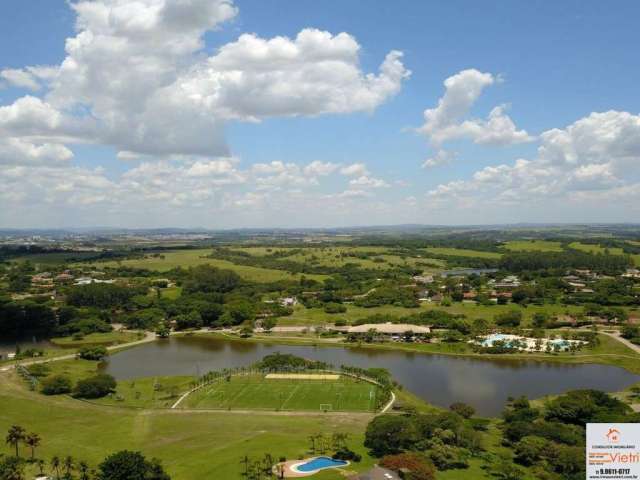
564, 148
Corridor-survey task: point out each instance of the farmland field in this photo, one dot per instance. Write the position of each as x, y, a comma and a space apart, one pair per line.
190, 258
257, 392
316, 316
533, 246
337, 257
592, 248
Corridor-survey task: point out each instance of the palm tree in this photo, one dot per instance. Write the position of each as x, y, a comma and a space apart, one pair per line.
84, 470
32, 440
15, 436
69, 465
40, 463
55, 464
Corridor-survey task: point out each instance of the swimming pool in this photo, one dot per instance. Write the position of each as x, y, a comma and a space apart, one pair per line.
318, 463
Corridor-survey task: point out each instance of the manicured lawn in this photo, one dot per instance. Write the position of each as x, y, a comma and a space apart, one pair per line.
156, 392
190, 258
257, 392
533, 246
462, 252
191, 445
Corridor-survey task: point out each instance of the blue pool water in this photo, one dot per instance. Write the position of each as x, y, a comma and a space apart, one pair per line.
320, 463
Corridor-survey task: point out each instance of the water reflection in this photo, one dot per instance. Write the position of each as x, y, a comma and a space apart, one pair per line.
439, 379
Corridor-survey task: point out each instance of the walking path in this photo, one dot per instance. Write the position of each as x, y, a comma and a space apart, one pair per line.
149, 337
632, 346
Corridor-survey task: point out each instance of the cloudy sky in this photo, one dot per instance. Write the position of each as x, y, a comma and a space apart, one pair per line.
259, 113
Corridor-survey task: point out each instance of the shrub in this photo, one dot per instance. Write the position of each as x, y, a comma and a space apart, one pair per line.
419, 467
347, 454
334, 308
39, 370
93, 353
462, 409
56, 385
95, 387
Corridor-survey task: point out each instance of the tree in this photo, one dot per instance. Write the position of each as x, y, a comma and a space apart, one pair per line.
205, 278
56, 385
96, 353
32, 440
462, 409
163, 330
630, 331
15, 435
55, 464
83, 468
127, 465
11, 468
268, 323
95, 387
69, 464
389, 434
529, 450
540, 319
509, 319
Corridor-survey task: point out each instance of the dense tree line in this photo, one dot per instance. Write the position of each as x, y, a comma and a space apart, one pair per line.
102, 295
571, 259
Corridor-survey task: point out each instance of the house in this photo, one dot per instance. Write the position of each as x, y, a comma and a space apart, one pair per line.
289, 301
508, 282
470, 295
42, 278
613, 435
631, 273
89, 280
64, 278
423, 278
377, 473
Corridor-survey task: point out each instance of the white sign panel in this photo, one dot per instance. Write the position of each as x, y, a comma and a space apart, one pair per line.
613, 451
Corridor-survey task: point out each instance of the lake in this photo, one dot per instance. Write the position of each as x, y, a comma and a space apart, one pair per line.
439, 379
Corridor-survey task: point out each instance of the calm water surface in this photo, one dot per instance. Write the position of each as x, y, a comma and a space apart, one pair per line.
439, 379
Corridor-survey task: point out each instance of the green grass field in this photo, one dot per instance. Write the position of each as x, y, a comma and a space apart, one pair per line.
191, 445
191, 258
533, 246
255, 392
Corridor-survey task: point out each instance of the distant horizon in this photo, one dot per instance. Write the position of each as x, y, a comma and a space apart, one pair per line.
90, 229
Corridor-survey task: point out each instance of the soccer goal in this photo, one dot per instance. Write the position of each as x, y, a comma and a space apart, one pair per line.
326, 407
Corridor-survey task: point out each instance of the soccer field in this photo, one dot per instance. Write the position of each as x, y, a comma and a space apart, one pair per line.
255, 392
